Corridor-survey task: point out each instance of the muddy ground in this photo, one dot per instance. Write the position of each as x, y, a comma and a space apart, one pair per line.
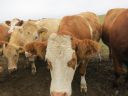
99, 79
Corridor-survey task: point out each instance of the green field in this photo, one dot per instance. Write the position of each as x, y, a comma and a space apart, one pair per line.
104, 48
101, 17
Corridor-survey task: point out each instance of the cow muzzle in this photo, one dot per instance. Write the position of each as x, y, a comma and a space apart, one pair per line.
27, 54
11, 70
59, 94
9, 33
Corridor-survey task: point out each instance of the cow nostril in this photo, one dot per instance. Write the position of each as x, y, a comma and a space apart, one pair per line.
36, 38
15, 69
65, 94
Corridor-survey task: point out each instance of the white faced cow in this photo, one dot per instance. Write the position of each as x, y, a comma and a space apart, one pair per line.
71, 46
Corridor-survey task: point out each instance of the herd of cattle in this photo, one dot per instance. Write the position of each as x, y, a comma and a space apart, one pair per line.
65, 44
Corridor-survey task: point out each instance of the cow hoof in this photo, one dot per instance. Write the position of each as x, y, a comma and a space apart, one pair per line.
33, 71
83, 91
116, 92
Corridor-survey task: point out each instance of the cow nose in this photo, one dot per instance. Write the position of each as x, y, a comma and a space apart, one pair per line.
12, 70
9, 33
27, 54
36, 38
59, 94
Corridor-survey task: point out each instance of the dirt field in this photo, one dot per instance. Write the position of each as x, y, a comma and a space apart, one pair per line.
99, 79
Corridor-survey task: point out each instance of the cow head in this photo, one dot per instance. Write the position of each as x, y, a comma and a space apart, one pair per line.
36, 48
11, 53
15, 22
30, 31
62, 54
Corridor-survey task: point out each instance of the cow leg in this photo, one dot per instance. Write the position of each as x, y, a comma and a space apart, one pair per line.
126, 79
82, 70
33, 67
118, 70
100, 58
110, 54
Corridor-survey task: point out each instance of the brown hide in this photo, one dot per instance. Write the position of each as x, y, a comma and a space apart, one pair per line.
94, 22
108, 22
78, 28
86, 48
118, 43
75, 26
119, 37
4, 36
36, 48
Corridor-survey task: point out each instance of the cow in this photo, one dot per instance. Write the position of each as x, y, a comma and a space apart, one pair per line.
109, 19
28, 32
118, 43
70, 47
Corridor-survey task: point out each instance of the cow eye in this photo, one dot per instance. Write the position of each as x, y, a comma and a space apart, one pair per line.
28, 32
15, 55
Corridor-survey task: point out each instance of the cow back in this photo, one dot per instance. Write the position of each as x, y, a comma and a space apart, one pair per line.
75, 26
95, 26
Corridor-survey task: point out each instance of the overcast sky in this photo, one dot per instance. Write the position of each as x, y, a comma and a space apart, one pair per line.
36, 9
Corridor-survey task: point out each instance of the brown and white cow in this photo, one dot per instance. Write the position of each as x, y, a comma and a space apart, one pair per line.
119, 44
67, 49
108, 22
22, 35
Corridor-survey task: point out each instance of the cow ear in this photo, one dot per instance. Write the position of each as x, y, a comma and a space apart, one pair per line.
86, 48
8, 23
42, 30
20, 23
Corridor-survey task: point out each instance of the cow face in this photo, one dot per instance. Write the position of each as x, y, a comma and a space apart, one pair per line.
62, 54
15, 22
61, 57
30, 31
11, 52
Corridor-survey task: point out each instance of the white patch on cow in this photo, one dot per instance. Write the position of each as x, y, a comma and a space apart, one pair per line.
59, 51
27, 54
13, 24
